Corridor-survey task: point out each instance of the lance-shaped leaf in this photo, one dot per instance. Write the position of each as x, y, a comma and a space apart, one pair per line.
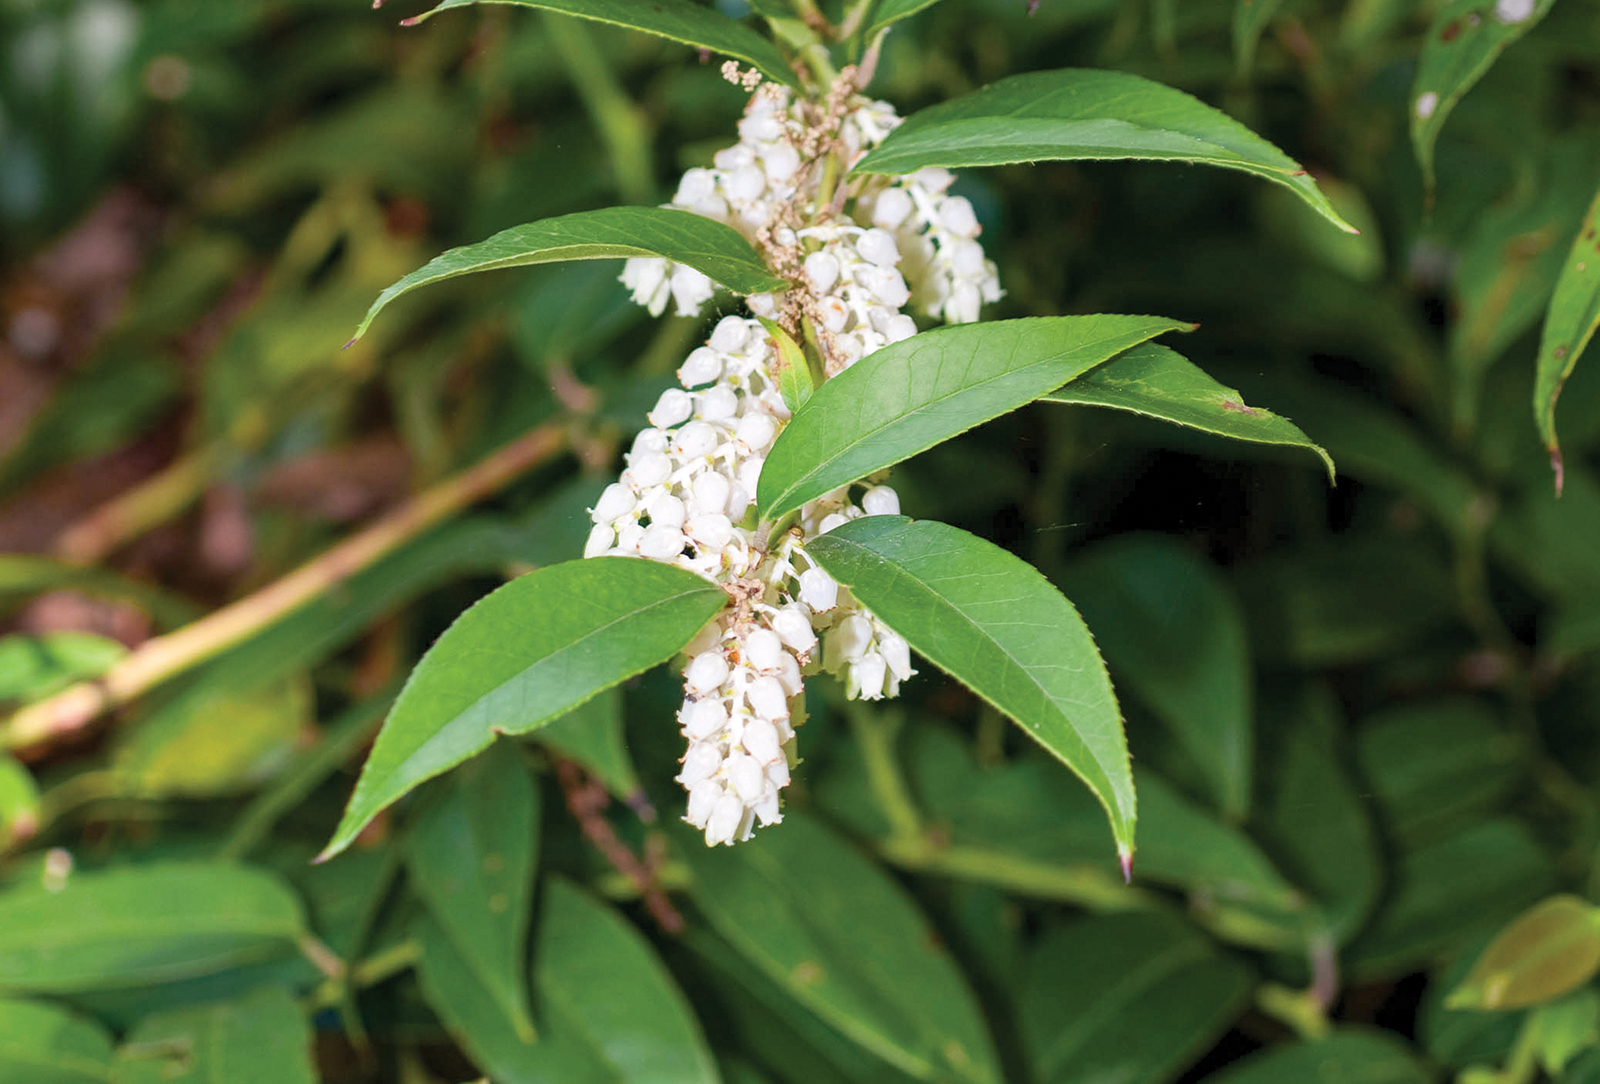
1250, 18
41, 1043
1083, 113
922, 391
471, 858
1158, 382
521, 656
676, 20
1465, 39
892, 11
1549, 949
992, 622
261, 1038
1569, 324
708, 246
141, 925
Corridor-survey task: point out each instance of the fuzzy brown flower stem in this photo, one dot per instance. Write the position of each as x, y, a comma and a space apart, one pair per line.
164, 657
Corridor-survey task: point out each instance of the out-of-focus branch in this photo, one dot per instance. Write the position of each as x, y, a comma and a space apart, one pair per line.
587, 800
134, 512
166, 656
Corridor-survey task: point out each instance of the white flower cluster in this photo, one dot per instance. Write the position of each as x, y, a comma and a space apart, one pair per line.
687, 492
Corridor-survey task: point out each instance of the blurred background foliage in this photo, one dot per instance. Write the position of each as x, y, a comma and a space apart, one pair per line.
1366, 719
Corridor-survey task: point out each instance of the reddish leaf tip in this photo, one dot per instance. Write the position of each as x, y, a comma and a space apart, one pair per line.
1559, 467
413, 21
1126, 858
1299, 173
351, 343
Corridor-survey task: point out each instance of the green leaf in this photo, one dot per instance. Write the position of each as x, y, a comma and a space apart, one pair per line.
471, 857
1463, 41
704, 244
1549, 950
592, 734
261, 1038
892, 11
608, 1010
1078, 113
1132, 997
675, 20
1569, 324
42, 1043
1172, 632
992, 622
19, 801
1342, 1058
790, 366
846, 941
1250, 18
143, 925
521, 656
1565, 1027
1158, 382
914, 394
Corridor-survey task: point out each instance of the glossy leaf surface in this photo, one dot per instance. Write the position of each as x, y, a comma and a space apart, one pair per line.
1462, 42
708, 246
911, 395
1131, 997
41, 1043
471, 858
521, 656
845, 940
142, 925
1078, 113
1569, 324
1158, 382
1173, 634
261, 1038
992, 622
1550, 949
675, 20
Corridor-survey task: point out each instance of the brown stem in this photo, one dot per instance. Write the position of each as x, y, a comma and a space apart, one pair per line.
166, 656
587, 800
133, 513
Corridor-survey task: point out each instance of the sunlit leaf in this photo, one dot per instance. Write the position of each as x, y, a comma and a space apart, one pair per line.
1158, 382
1077, 113
706, 245
676, 20
992, 622
1550, 949
911, 395
41, 1043
1570, 323
521, 656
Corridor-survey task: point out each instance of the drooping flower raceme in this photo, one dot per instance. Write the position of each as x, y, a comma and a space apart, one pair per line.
863, 260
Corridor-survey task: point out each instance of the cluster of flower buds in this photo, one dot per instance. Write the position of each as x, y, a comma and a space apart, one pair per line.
686, 495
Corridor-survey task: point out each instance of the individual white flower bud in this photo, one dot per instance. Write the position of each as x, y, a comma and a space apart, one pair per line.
723, 823
833, 313
616, 501
702, 799
667, 511
651, 441
710, 530
756, 431
766, 810
964, 304
780, 162
629, 537
885, 283
750, 472
690, 289
933, 179
696, 185
704, 718
866, 677
701, 367
647, 277
739, 501
601, 539
877, 246
745, 777
745, 185
818, 590
899, 328
789, 674
704, 640
778, 773
695, 440
896, 654
730, 334
764, 305
760, 128
718, 403
767, 698
956, 216
645, 471
822, 270
760, 740
967, 260
880, 501
734, 157
763, 649
892, 207
830, 521
661, 542
793, 626
699, 764
710, 493
705, 673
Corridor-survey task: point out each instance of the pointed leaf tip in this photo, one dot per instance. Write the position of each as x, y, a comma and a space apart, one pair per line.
1557, 465
1125, 856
